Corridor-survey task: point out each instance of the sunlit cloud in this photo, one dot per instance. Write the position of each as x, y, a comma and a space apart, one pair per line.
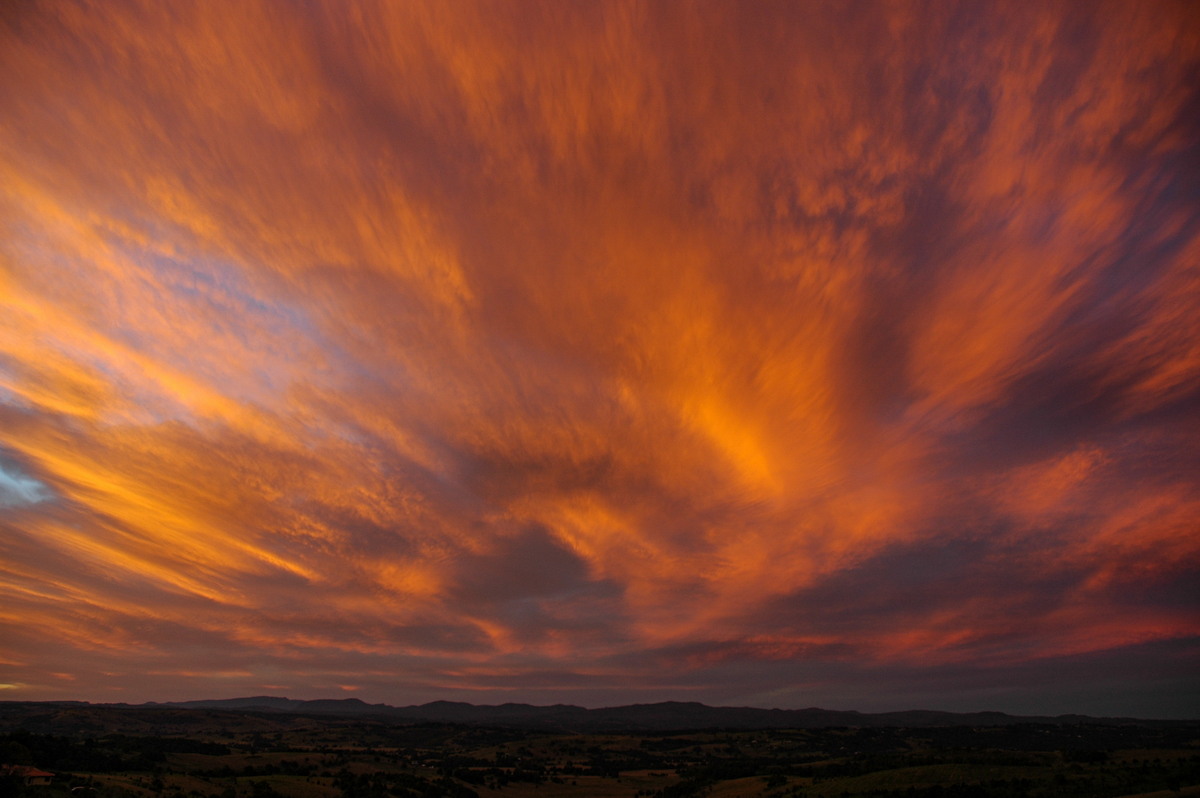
741, 351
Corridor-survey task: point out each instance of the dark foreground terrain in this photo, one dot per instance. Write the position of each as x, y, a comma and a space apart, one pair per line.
96, 751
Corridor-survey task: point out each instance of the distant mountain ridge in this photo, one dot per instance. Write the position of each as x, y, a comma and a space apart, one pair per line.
664, 716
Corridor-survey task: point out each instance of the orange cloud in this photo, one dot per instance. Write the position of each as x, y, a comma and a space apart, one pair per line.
611, 346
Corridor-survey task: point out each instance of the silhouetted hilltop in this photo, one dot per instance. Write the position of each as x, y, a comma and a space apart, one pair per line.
268, 713
663, 716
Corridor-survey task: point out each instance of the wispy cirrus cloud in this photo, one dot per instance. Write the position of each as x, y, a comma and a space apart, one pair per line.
613, 352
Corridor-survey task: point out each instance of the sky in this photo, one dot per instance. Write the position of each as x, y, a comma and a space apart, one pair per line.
779, 354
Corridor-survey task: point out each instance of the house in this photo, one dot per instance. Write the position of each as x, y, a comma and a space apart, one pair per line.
30, 777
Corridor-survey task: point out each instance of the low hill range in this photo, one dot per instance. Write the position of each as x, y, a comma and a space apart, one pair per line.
284, 748
663, 716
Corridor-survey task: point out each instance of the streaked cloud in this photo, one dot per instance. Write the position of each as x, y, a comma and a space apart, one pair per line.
740, 351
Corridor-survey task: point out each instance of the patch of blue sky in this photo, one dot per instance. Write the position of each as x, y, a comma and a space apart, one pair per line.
19, 489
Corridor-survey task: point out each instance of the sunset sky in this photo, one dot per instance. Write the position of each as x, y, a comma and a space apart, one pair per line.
782, 354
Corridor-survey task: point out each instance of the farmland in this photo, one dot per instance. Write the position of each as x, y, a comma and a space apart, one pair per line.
98, 752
